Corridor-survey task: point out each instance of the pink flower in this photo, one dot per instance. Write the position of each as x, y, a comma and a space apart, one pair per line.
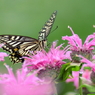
24, 83
1, 45
86, 73
75, 78
50, 61
88, 63
2, 55
53, 58
86, 77
76, 44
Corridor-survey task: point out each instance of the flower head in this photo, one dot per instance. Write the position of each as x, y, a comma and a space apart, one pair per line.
77, 47
50, 61
24, 83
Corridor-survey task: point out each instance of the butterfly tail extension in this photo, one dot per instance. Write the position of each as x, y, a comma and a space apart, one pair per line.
44, 32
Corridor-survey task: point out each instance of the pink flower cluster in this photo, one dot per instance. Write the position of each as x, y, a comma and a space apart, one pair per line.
84, 51
28, 80
24, 83
76, 42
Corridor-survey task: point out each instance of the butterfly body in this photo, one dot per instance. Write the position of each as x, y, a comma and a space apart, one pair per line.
20, 46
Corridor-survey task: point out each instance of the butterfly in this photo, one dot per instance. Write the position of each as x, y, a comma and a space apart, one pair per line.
19, 46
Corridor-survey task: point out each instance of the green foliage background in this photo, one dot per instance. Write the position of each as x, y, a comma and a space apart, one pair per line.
26, 17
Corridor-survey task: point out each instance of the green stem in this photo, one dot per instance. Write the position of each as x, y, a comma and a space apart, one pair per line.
80, 83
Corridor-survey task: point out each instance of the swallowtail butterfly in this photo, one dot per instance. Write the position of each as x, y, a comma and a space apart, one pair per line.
20, 46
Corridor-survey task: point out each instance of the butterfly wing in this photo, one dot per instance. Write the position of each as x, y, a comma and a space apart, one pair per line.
19, 46
45, 31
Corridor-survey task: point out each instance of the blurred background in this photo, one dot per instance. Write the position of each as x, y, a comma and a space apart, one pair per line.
27, 17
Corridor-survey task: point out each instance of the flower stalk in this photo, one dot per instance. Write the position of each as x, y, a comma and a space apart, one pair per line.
80, 84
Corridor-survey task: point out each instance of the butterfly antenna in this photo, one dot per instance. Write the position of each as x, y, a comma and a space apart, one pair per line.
48, 46
50, 42
54, 29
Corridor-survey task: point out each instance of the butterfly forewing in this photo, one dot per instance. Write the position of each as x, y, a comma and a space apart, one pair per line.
47, 27
20, 46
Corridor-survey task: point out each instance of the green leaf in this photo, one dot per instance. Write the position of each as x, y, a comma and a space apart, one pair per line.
89, 87
63, 72
89, 68
67, 69
76, 66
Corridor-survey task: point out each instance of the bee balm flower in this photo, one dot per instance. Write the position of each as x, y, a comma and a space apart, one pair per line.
51, 61
24, 83
77, 47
